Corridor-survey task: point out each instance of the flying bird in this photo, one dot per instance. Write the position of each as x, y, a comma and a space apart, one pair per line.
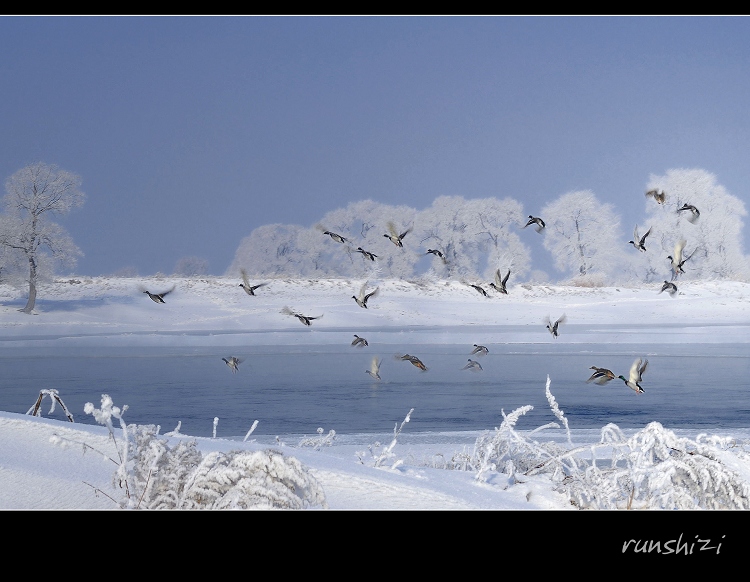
553, 328
694, 212
678, 260
249, 289
537, 221
473, 365
158, 297
367, 254
670, 288
639, 243
394, 236
636, 375
414, 360
479, 289
660, 197
374, 370
362, 298
435, 252
499, 284
304, 319
359, 342
233, 363
601, 376
337, 237
479, 350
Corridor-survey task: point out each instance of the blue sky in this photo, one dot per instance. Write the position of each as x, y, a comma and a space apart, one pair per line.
189, 132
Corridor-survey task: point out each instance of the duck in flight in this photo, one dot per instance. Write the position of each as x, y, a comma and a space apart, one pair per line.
337, 237
158, 297
437, 253
479, 289
553, 328
374, 370
414, 360
304, 319
249, 289
537, 221
359, 342
660, 197
499, 284
601, 376
639, 243
473, 365
669, 287
233, 363
362, 298
480, 350
677, 261
369, 255
694, 212
634, 379
394, 236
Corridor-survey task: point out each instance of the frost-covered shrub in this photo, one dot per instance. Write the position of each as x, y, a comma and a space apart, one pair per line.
155, 476
320, 441
655, 469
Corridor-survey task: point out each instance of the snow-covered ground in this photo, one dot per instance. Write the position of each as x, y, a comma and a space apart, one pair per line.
43, 464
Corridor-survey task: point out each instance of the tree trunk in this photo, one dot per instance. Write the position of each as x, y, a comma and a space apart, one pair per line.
32, 287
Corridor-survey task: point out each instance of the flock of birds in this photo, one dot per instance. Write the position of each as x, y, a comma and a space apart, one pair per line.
678, 258
600, 376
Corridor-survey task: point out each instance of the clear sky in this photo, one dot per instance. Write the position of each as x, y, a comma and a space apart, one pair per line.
189, 132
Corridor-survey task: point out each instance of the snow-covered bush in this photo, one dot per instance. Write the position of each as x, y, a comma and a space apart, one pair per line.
154, 475
653, 469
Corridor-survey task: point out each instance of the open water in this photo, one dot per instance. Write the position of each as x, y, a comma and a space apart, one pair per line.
296, 390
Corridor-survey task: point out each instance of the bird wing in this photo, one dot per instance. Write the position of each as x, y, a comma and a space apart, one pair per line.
678, 250
642, 369
634, 370
407, 231
688, 256
245, 278
371, 294
648, 232
505, 279
561, 319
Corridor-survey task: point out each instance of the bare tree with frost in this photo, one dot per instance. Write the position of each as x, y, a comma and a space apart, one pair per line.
33, 194
583, 235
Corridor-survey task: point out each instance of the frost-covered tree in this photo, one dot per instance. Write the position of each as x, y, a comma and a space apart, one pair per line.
191, 267
33, 194
714, 240
476, 236
267, 251
364, 223
583, 235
